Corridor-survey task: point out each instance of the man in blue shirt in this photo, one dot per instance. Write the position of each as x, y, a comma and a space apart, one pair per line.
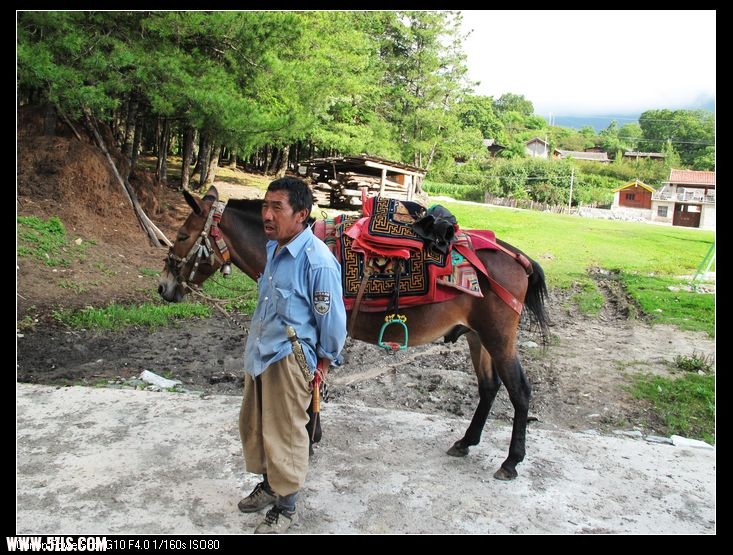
300, 287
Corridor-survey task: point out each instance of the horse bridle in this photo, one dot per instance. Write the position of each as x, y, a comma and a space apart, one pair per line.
201, 250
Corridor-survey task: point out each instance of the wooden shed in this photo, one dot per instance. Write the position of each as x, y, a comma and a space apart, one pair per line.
340, 182
634, 194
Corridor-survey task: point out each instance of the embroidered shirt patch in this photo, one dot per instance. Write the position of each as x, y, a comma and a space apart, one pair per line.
322, 302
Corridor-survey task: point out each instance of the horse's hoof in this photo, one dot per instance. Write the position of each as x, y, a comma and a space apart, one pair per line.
505, 475
457, 450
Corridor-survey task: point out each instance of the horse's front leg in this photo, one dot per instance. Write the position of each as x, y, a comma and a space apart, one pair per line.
488, 386
520, 392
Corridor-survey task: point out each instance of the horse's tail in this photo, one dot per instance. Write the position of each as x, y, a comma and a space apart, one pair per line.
534, 301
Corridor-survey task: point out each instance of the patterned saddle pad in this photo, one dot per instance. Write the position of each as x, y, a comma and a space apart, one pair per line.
383, 240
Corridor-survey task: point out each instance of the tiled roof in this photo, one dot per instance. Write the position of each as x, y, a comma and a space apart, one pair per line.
632, 154
637, 183
579, 155
492, 142
691, 177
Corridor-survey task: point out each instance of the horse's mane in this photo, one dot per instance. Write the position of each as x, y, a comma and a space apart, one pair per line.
245, 204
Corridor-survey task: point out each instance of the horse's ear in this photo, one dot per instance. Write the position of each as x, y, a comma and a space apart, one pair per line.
192, 202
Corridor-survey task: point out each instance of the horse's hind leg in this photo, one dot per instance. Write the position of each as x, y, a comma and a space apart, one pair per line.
488, 386
519, 390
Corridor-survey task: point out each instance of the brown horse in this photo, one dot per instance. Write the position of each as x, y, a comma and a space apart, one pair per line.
489, 322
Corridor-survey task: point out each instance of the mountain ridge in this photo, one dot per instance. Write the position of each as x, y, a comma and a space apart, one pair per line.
599, 123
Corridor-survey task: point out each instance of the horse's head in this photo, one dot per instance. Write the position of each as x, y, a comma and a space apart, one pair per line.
194, 255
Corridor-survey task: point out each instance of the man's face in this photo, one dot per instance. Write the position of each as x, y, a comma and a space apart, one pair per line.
280, 221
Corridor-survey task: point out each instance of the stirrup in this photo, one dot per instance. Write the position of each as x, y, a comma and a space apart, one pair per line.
226, 269
392, 345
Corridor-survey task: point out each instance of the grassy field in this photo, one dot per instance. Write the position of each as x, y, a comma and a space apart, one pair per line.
655, 263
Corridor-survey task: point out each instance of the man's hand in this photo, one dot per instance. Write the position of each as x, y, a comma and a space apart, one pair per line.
322, 367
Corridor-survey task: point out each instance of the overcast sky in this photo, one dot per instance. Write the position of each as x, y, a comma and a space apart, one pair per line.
577, 62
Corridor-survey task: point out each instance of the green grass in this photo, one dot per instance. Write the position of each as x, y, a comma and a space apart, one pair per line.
588, 298
104, 270
46, 241
686, 404
148, 272
236, 293
697, 362
567, 245
687, 310
74, 286
116, 317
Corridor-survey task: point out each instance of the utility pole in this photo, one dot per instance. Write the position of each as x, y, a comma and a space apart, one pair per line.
570, 200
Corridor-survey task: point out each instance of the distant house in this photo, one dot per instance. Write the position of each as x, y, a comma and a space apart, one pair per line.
493, 147
633, 194
687, 199
581, 155
631, 155
537, 148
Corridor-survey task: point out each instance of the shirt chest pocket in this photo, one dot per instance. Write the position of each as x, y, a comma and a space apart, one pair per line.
283, 299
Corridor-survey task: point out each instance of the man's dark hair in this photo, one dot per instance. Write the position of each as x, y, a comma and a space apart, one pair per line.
299, 194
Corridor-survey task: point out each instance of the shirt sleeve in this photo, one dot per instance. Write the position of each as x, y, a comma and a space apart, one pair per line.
329, 311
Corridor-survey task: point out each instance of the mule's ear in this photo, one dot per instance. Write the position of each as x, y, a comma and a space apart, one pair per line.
212, 193
192, 202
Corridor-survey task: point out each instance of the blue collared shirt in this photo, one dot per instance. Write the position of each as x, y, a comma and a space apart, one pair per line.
300, 287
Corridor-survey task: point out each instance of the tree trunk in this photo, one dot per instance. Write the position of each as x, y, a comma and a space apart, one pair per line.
203, 159
137, 139
283, 166
233, 159
49, 120
430, 158
272, 161
189, 136
161, 169
267, 159
277, 155
213, 165
155, 134
129, 133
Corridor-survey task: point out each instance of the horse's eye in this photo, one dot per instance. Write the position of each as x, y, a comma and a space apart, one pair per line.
182, 237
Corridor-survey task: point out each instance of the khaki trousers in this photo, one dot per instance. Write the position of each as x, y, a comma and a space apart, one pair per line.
272, 422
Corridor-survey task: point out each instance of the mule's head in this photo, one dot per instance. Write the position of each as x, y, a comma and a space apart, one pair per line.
194, 256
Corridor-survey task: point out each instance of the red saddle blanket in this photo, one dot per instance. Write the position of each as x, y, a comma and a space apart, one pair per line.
383, 240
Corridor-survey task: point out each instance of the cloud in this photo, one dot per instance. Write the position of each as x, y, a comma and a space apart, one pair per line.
573, 62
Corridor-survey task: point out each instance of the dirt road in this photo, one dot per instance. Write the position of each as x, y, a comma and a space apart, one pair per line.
101, 461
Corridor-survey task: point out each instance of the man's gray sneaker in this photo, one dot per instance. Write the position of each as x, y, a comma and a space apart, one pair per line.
277, 521
257, 500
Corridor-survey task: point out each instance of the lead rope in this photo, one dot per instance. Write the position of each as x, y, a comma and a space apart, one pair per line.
216, 303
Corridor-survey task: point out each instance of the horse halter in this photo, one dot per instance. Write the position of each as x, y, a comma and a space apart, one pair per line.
201, 250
